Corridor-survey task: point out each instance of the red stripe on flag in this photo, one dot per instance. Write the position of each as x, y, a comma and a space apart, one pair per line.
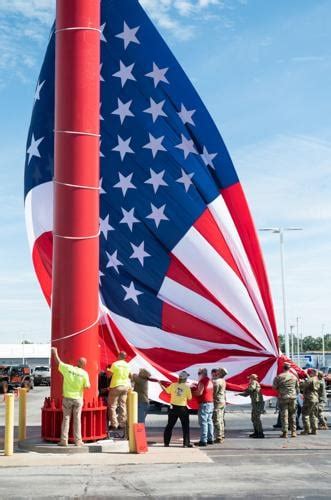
42, 262
179, 273
182, 323
209, 229
236, 202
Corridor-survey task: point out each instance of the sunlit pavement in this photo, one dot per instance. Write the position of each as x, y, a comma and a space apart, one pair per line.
240, 468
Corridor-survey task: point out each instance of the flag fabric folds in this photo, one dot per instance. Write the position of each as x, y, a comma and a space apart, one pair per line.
182, 278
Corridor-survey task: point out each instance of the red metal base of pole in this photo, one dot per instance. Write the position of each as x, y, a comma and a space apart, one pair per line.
94, 421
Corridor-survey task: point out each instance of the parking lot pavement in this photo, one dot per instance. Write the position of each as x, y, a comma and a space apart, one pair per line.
239, 468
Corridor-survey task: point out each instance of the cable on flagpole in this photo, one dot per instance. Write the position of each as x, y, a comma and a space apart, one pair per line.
76, 185
79, 331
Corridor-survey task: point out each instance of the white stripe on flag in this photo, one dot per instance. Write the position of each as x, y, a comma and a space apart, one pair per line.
149, 337
39, 211
183, 298
217, 277
224, 221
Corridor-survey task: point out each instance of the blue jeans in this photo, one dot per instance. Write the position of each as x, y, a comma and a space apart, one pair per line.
142, 412
206, 422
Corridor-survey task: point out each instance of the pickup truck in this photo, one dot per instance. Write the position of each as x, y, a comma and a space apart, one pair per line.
42, 375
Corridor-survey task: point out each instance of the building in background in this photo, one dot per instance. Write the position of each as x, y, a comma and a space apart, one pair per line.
29, 354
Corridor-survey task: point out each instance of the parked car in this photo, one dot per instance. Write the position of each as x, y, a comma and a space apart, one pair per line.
14, 376
327, 377
42, 375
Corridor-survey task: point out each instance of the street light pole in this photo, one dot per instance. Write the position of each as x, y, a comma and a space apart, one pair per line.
292, 340
323, 346
280, 231
298, 340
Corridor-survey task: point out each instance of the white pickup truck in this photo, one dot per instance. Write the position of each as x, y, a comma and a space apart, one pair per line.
42, 375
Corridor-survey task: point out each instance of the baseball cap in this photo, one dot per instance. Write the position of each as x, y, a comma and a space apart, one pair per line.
183, 374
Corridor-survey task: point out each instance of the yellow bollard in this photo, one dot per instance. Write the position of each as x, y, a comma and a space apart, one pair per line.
9, 424
132, 419
22, 414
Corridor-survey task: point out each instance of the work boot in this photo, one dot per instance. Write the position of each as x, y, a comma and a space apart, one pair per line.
200, 443
62, 443
210, 441
305, 433
293, 434
283, 435
219, 440
314, 432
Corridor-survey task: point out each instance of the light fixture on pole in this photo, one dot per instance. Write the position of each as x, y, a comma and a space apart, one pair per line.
280, 231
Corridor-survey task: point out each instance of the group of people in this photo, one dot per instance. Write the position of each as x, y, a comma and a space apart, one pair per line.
210, 393
314, 395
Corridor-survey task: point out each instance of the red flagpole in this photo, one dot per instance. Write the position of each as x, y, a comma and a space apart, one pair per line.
75, 293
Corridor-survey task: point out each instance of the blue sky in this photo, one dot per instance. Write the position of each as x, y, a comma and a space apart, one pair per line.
263, 68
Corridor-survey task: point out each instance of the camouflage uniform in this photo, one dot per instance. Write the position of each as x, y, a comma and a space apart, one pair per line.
322, 400
310, 388
219, 408
254, 391
287, 386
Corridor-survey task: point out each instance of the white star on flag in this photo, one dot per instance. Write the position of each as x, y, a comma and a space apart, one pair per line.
139, 252
101, 190
123, 110
155, 144
101, 77
100, 152
187, 146
208, 157
128, 218
185, 179
105, 227
102, 36
156, 179
125, 73
33, 148
128, 35
158, 75
123, 147
131, 292
125, 183
100, 276
100, 115
113, 261
38, 89
157, 214
155, 109
186, 115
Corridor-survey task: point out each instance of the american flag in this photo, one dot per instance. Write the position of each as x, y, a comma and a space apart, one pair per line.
182, 279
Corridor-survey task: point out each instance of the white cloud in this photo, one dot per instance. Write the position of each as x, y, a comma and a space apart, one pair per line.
38, 10
287, 180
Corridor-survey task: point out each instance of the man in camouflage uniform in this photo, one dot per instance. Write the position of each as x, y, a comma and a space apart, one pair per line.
322, 419
310, 388
254, 391
219, 404
287, 386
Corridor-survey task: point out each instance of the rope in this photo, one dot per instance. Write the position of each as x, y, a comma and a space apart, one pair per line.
77, 237
76, 132
76, 185
75, 28
79, 332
